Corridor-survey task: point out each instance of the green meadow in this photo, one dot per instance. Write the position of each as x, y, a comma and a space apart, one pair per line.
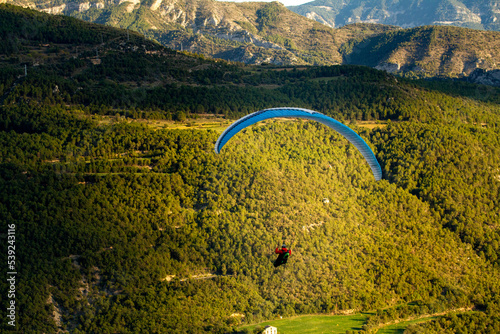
319, 324
314, 324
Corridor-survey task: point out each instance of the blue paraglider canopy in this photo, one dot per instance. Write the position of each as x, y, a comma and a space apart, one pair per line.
347, 132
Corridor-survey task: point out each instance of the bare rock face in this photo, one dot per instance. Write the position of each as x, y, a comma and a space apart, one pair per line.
388, 67
261, 32
480, 76
478, 14
68, 7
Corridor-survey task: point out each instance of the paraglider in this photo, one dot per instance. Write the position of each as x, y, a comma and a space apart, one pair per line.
284, 254
287, 112
348, 133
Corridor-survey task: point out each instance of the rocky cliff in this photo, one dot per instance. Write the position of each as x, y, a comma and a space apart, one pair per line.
477, 14
480, 76
257, 33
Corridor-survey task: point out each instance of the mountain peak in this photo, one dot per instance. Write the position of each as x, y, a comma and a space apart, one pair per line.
480, 14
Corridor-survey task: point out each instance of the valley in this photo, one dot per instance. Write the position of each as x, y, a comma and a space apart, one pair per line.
127, 221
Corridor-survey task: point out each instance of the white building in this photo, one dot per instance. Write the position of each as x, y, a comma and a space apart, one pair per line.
270, 330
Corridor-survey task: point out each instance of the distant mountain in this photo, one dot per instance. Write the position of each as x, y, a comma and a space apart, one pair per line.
476, 14
259, 33
429, 51
252, 33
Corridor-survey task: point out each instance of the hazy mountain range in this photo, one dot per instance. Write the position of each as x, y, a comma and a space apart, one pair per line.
257, 33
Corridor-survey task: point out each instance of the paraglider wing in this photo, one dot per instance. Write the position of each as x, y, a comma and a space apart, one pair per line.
347, 132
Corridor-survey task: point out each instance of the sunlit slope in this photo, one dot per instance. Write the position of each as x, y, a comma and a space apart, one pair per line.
122, 227
269, 33
477, 14
110, 71
429, 51
140, 242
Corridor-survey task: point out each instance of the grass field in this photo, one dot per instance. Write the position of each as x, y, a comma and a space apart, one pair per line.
318, 324
218, 124
314, 324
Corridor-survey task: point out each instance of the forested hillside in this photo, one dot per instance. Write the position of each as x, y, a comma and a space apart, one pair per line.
125, 227
112, 71
269, 33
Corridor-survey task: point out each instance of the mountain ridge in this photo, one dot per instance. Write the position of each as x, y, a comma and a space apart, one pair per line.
248, 32
260, 33
482, 14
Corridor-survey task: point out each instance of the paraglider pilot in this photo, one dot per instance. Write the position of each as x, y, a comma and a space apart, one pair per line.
284, 253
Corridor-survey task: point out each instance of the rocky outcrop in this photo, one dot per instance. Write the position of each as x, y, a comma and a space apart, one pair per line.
131, 4
388, 67
480, 76
234, 31
70, 7
156, 4
478, 14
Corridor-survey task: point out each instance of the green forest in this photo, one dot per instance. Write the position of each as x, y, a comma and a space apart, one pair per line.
121, 227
